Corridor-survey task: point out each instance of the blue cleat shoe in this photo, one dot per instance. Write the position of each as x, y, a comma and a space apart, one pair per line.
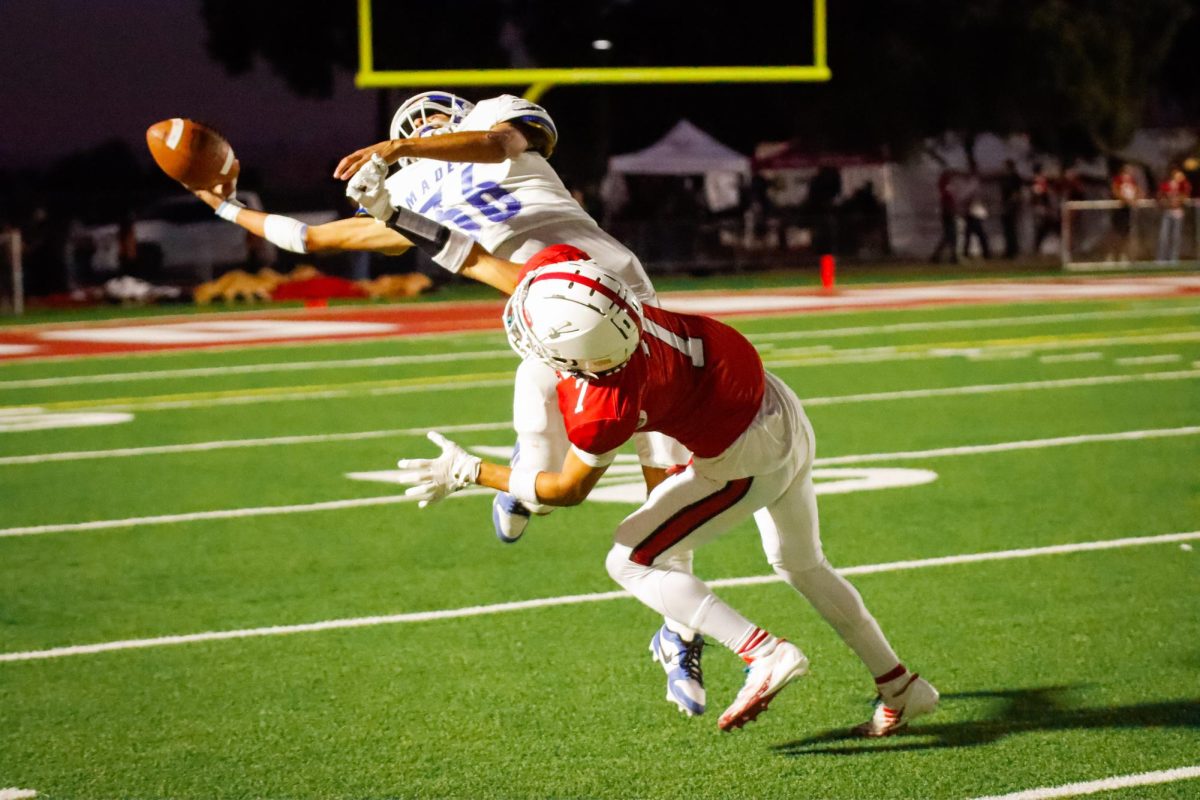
681, 661
509, 515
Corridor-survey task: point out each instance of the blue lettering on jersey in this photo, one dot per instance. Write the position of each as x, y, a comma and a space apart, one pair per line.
487, 198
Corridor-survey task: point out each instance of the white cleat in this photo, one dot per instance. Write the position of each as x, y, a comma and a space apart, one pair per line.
764, 679
919, 697
510, 517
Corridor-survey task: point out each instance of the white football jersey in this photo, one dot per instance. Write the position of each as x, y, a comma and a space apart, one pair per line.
491, 203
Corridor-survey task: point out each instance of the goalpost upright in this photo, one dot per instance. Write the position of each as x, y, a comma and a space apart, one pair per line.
542, 79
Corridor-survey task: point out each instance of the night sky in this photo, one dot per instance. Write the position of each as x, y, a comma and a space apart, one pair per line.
74, 73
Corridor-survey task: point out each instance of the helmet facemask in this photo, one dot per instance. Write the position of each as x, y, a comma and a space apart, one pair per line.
414, 118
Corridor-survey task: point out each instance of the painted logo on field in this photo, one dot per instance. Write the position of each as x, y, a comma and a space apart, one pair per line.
13, 420
623, 483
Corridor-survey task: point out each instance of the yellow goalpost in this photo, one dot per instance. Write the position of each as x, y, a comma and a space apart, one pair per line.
540, 80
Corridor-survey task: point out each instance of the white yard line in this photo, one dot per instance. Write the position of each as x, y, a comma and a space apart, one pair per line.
228, 444
1135, 361
1068, 357
913, 327
565, 600
1004, 447
13, 793
1102, 785
166, 374
991, 388
248, 369
194, 516
333, 505
325, 394
277, 441
985, 350
317, 394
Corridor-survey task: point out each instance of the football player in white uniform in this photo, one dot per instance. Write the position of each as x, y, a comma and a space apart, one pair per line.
481, 169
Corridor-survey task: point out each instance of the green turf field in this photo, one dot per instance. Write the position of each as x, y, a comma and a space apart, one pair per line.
223, 506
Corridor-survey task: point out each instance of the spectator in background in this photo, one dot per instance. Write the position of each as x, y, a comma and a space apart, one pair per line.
823, 192
1126, 191
1071, 187
976, 213
948, 206
1042, 204
866, 221
45, 253
1173, 194
1012, 186
81, 250
127, 246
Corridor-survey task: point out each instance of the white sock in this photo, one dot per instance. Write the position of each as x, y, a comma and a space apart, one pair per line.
680, 597
755, 643
685, 633
836, 599
894, 682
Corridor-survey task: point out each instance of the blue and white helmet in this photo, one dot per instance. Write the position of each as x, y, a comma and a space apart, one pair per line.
411, 120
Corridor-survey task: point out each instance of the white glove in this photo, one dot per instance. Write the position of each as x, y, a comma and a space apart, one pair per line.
434, 478
367, 188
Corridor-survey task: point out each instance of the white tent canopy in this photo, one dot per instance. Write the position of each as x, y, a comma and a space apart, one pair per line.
685, 150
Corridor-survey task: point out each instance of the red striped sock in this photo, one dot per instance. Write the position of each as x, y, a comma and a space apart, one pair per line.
755, 643
893, 682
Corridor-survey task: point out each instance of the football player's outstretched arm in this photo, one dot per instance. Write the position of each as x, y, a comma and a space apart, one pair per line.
451, 250
455, 469
504, 141
568, 487
350, 234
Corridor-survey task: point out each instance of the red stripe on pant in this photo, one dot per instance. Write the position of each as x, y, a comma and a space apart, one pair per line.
687, 519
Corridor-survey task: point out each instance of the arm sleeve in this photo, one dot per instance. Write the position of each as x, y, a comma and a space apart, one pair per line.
447, 247
593, 460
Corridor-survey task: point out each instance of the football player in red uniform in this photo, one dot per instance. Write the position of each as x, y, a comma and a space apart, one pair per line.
624, 367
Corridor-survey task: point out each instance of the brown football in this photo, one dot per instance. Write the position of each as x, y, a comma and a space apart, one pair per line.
191, 153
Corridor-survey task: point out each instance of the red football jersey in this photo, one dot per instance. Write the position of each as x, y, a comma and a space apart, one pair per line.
691, 378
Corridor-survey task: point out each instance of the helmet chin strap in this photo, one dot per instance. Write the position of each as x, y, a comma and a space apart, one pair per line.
586, 375
434, 128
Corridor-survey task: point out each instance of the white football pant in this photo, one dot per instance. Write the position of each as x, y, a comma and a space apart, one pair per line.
766, 473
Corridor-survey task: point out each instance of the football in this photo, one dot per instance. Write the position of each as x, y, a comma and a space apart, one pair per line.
191, 153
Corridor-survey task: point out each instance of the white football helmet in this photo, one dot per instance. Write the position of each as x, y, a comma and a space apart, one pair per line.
575, 317
411, 120
413, 114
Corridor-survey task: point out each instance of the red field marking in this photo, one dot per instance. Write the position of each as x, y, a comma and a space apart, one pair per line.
54, 340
